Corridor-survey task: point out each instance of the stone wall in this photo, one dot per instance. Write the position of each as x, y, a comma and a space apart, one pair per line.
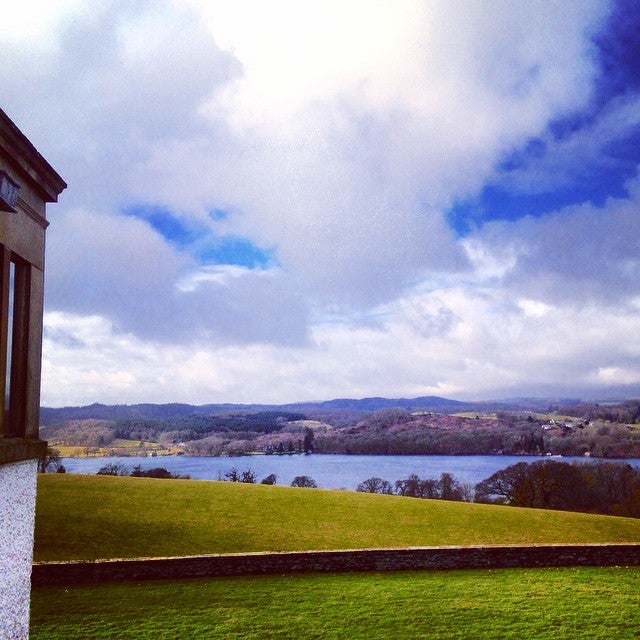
475, 557
17, 512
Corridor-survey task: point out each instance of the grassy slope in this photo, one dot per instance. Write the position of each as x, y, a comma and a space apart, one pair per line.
534, 603
89, 517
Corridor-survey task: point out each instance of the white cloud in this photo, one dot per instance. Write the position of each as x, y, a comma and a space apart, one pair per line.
119, 268
469, 343
581, 254
352, 128
116, 79
335, 135
534, 308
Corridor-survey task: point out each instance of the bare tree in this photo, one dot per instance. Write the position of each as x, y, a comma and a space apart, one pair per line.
49, 461
375, 485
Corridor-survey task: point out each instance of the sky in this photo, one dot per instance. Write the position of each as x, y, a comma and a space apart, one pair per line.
293, 201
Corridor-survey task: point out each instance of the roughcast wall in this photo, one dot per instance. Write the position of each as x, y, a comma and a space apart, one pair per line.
17, 512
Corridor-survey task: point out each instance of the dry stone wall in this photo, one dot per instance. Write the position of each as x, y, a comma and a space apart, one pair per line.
435, 558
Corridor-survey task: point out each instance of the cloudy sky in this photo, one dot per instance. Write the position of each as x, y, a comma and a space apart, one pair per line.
288, 201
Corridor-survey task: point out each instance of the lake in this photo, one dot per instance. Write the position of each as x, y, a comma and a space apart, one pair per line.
329, 471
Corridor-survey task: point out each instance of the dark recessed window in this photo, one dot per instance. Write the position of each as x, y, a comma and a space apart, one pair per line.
8, 192
14, 341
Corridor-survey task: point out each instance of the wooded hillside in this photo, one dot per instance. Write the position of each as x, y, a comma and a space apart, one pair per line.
607, 432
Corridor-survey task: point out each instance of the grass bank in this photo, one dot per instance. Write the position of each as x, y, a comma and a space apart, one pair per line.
544, 603
88, 517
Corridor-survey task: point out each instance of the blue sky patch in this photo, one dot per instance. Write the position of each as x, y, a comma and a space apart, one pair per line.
169, 226
619, 52
236, 251
200, 242
495, 203
590, 178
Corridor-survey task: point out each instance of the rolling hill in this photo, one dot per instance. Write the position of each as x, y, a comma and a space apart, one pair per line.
90, 517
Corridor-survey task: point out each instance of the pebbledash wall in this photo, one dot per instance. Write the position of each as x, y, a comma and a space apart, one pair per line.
27, 184
419, 558
17, 499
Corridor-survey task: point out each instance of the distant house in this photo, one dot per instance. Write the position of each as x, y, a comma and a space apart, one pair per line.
27, 184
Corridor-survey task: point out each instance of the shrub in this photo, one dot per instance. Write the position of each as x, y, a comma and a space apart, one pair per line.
304, 481
158, 472
113, 469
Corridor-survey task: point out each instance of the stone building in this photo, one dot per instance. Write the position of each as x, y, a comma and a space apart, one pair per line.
27, 184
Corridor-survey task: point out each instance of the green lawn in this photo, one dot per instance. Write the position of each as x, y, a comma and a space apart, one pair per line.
89, 517
543, 604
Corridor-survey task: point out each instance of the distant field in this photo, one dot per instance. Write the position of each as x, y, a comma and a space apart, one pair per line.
536, 415
121, 446
89, 517
547, 604
69, 450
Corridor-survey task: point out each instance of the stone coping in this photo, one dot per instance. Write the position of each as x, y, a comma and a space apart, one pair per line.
17, 449
288, 562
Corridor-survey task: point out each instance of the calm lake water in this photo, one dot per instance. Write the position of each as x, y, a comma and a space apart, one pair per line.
329, 471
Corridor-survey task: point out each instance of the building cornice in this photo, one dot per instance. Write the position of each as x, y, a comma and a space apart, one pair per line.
32, 213
17, 449
29, 161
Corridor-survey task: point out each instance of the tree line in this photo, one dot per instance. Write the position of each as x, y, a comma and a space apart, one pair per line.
601, 487
444, 488
248, 476
611, 488
626, 412
119, 469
